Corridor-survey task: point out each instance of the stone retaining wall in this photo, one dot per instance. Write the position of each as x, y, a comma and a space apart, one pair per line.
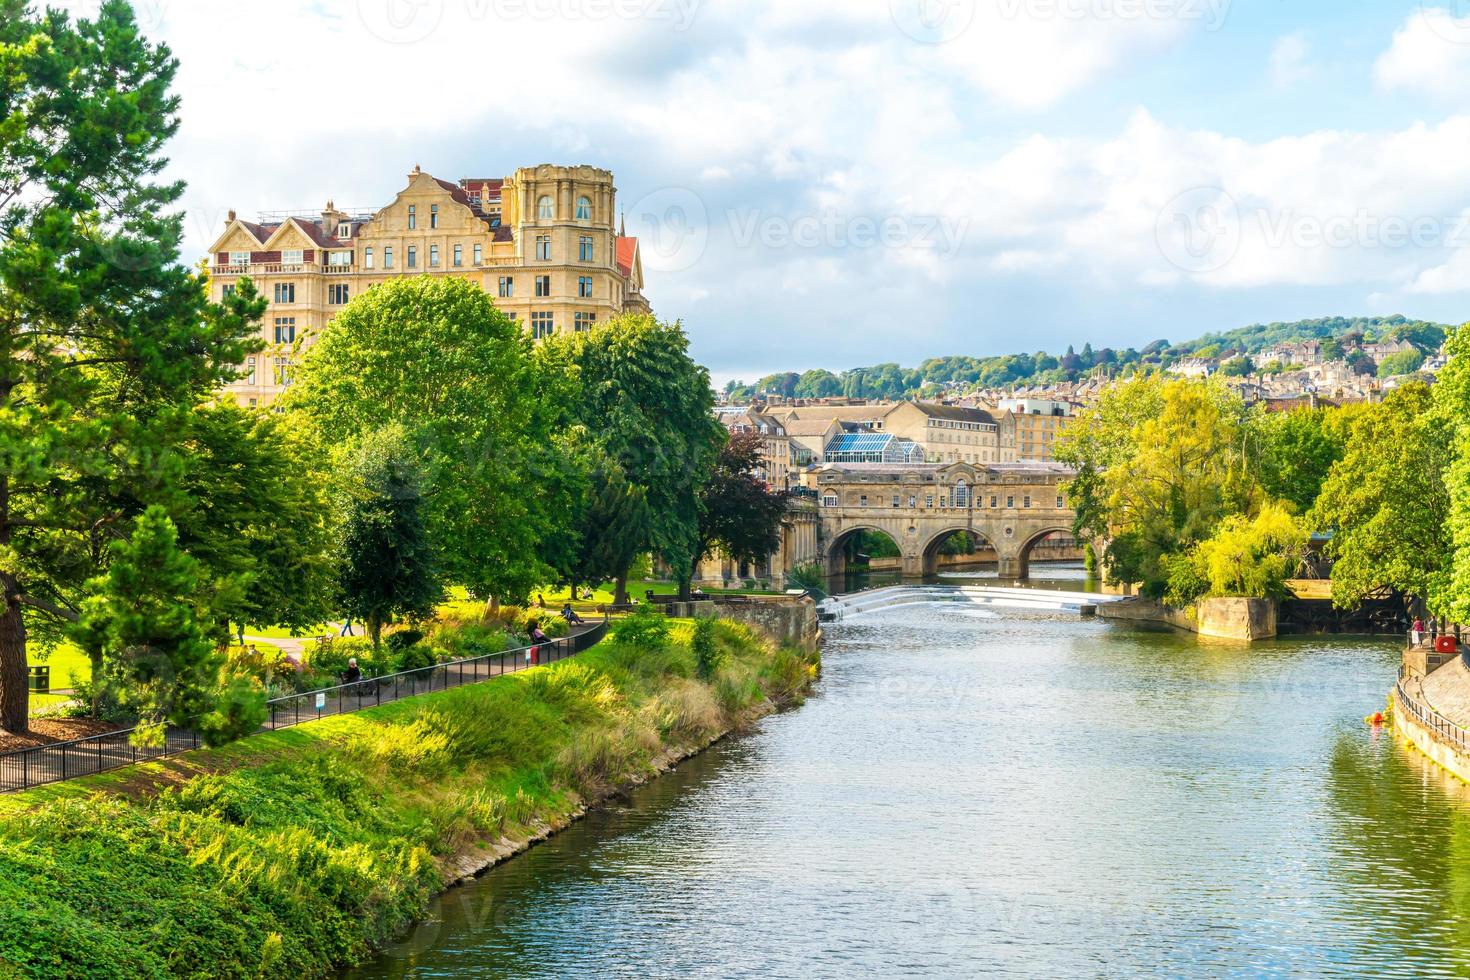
1229, 619
784, 620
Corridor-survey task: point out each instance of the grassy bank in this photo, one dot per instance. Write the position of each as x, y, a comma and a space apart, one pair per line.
293, 852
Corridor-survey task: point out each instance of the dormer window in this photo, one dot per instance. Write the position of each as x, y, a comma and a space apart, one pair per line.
584, 209
344, 229
545, 210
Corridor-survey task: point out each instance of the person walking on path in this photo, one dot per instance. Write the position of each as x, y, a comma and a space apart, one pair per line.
347, 627
1416, 632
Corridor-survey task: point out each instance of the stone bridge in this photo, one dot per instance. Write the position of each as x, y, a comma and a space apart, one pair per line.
1012, 506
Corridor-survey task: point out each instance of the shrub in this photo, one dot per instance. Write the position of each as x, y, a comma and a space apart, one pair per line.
646, 629
707, 654
403, 639
414, 657
239, 709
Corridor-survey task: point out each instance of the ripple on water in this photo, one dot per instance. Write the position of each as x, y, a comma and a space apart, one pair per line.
1021, 793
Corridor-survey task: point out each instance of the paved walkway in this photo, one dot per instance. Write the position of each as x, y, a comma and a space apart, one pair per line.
1447, 691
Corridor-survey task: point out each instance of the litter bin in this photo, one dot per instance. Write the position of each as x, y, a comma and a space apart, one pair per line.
1445, 644
40, 679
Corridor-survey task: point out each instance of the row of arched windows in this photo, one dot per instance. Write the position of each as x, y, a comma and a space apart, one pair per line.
546, 208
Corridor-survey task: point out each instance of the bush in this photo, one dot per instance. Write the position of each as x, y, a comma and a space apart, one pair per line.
239, 709
415, 657
707, 654
403, 639
646, 629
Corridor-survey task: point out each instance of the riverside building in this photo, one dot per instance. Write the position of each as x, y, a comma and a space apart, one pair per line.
544, 243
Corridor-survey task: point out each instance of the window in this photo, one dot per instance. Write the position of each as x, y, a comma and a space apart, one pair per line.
413, 217
479, 255
928, 500
337, 293
367, 258
584, 286
994, 502
239, 258
1061, 503
507, 287
227, 290
913, 501
285, 330
584, 209
433, 216
285, 292
829, 499
339, 259
1010, 503
896, 500
863, 500
961, 494
545, 210
584, 248
413, 256
250, 370
433, 256
283, 371
583, 321
458, 256
387, 256
541, 325
344, 229
1026, 501
543, 247
543, 285
294, 256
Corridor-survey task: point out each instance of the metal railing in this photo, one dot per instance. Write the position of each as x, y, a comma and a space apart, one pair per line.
59, 761
1444, 729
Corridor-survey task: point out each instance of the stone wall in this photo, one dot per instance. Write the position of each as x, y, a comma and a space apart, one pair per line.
1231, 619
1425, 740
784, 620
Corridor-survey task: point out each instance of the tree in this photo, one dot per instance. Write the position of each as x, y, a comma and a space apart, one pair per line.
1385, 501
1159, 466
783, 384
145, 620
1237, 367
1451, 400
1296, 450
818, 383
1250, 557
1331, 350
1404, 362
388, 567
434, 356
610, 524
738, 513
649, 407
105, 340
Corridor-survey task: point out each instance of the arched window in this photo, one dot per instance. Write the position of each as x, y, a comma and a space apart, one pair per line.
545, 210
584, 209
961, 494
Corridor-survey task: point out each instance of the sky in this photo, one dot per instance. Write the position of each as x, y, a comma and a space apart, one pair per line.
836, 183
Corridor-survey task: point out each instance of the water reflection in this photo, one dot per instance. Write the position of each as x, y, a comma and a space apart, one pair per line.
1017, 793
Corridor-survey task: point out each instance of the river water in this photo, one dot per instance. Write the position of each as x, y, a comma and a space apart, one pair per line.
974, 792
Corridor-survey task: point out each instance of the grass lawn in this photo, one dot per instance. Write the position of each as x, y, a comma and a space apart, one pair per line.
69, 665
279, 634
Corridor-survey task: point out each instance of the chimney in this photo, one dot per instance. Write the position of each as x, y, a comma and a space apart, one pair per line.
330, 217
230, 218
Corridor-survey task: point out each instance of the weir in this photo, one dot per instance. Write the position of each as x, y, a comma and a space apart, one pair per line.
1081, 603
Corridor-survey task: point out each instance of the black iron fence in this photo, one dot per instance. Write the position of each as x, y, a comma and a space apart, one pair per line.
1443, 729
25, 768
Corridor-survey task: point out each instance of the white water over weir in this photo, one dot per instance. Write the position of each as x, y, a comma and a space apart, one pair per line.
1082, 603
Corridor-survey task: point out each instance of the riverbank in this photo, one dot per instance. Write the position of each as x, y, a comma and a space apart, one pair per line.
299, 851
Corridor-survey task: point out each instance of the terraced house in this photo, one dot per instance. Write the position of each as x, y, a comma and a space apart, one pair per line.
545, 243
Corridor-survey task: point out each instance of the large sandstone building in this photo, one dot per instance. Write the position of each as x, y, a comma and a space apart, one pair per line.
545, 243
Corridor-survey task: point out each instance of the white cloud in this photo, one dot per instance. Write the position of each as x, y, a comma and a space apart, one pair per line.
1290, 60
1430, 54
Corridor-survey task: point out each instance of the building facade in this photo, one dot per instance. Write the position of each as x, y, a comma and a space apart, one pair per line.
545, 243
1038, 422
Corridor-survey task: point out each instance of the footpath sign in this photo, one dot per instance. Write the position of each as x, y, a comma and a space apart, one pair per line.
321, 701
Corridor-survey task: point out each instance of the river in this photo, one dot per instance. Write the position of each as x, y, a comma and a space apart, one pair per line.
1008, 793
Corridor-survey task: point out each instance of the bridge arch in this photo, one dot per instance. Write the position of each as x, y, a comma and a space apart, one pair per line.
1023, 554
936, 539
836, 563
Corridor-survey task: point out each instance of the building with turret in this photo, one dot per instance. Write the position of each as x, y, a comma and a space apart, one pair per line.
546, 243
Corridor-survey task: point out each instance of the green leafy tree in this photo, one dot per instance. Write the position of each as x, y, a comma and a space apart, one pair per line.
105, 340
388, 566
1102, 437
145, 618
1238, 367
818, 383
610, 524
1251, 557
1386, 504
1404, 362
649, 406
434, 356
1450, 427
738, 513
1296, 450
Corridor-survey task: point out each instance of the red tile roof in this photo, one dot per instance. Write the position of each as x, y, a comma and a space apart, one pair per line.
627, 248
